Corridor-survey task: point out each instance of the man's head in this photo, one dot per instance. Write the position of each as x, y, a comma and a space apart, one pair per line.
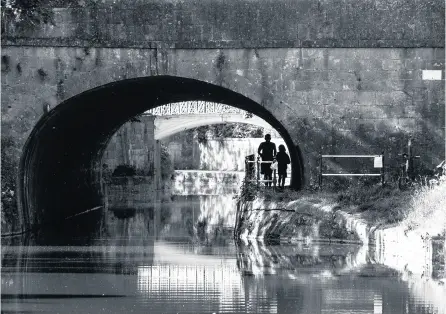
267, 137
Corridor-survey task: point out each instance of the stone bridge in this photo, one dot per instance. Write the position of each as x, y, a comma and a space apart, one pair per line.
329, 76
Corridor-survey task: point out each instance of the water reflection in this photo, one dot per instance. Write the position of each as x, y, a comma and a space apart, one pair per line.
153, 260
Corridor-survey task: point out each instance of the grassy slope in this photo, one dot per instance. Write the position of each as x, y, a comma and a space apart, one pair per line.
372, 202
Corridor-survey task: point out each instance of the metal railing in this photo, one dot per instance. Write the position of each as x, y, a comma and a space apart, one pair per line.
378, 163
252, 173
195, 107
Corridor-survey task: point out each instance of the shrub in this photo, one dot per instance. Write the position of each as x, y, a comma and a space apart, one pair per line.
427, 208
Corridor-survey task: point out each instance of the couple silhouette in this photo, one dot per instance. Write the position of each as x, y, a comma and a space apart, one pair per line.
267, 150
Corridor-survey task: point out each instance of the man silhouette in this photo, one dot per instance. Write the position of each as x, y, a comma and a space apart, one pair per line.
267, 150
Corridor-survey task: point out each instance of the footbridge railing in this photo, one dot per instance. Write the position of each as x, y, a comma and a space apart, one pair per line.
195, 107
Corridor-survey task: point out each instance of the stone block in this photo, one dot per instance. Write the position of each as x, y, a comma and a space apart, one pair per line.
303, 32
411, 111
62, 15
334, 63
439, 53
425, 53
324, 85
302, 85
392, 65
413, 64
420, 94
408, 125
412, 75
393, 98
325, 97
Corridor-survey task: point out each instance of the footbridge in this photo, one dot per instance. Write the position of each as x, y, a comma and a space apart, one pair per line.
178, 117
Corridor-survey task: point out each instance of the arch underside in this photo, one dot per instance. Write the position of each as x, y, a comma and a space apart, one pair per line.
166, 126
60, 166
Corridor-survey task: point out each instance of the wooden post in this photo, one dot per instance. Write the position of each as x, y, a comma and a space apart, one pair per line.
246, 168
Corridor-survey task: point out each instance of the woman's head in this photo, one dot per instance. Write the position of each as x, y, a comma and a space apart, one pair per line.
281, 148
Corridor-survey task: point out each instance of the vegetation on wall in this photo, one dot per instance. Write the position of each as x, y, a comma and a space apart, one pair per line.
166, 163
9, 169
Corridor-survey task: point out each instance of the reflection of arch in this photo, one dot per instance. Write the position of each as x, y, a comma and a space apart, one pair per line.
168, 125
60, 166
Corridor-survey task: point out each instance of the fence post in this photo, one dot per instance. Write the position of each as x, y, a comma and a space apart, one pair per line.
257, 170
383, 171
320, 170
410, 158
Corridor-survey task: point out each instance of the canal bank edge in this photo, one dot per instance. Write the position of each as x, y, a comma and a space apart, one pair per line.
303, 220
266, 220
409, 252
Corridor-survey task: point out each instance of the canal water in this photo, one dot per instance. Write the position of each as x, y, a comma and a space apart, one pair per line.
178, 256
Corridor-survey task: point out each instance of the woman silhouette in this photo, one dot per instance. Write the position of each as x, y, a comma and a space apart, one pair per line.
282, 163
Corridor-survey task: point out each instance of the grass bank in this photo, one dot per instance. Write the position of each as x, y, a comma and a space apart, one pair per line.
374, 203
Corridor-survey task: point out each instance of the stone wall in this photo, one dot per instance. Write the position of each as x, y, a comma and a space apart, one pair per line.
129, 193
132, 144
331, 100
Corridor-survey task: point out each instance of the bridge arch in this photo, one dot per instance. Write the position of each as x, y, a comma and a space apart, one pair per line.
60, 166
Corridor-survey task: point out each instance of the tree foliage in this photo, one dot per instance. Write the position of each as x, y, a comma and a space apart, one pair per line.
29, 12
228, 130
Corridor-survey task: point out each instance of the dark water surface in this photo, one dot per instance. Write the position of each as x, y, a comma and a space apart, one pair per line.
163, 260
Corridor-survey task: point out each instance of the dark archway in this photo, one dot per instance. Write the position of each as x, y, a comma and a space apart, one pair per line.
60, 166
